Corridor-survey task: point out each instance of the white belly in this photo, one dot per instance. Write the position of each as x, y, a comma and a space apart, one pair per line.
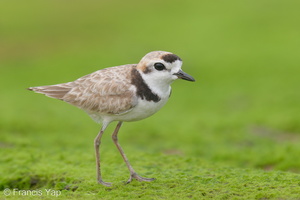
142, 110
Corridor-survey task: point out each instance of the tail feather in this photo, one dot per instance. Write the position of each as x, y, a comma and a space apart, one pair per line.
54, 91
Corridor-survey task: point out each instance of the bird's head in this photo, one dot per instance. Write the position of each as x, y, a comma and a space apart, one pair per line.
162, 67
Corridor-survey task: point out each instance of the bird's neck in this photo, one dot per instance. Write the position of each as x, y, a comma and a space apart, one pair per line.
160, 87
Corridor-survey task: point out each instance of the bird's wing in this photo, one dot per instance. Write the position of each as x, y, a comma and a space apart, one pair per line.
106, 91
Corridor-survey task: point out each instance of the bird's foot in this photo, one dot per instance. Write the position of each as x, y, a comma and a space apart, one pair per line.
104, 183
139, 178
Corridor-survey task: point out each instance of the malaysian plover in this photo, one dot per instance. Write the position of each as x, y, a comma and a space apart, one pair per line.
123, 93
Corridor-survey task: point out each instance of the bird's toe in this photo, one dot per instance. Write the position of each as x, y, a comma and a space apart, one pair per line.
139, 178
107, 184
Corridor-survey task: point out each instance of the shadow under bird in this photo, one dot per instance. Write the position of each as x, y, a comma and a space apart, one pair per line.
123, 93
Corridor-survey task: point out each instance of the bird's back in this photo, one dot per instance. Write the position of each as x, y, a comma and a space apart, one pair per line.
107, 91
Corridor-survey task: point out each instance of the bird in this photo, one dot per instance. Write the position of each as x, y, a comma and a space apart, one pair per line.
122, 93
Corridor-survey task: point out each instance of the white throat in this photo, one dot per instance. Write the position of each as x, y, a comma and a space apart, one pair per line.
160, 87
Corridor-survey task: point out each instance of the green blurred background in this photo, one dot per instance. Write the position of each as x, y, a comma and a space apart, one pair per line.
242, 111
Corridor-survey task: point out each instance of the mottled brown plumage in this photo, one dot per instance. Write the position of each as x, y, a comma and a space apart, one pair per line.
104, 91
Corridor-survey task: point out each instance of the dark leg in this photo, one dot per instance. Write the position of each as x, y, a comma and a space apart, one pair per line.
133, 174
97, 143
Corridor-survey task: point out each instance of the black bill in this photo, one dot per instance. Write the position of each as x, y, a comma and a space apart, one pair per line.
182, 75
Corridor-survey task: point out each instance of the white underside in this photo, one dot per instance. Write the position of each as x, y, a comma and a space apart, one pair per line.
142, 110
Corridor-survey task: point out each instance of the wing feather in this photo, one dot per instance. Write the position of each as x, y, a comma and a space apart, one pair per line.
55, 91
106, 91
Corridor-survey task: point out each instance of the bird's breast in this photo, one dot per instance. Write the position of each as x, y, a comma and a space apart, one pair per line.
142, 110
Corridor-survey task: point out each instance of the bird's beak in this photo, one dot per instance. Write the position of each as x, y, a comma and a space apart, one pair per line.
182, 75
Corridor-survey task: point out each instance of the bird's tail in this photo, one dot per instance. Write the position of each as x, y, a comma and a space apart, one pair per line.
55, 91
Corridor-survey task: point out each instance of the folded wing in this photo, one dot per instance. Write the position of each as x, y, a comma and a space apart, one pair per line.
106, 91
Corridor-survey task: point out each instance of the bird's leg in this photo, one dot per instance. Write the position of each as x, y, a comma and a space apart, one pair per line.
97, 143
133, 174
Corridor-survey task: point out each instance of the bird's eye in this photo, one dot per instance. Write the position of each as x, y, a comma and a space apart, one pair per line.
159, 66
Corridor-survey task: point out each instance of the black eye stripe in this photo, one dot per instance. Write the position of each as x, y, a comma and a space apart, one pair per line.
159, 66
